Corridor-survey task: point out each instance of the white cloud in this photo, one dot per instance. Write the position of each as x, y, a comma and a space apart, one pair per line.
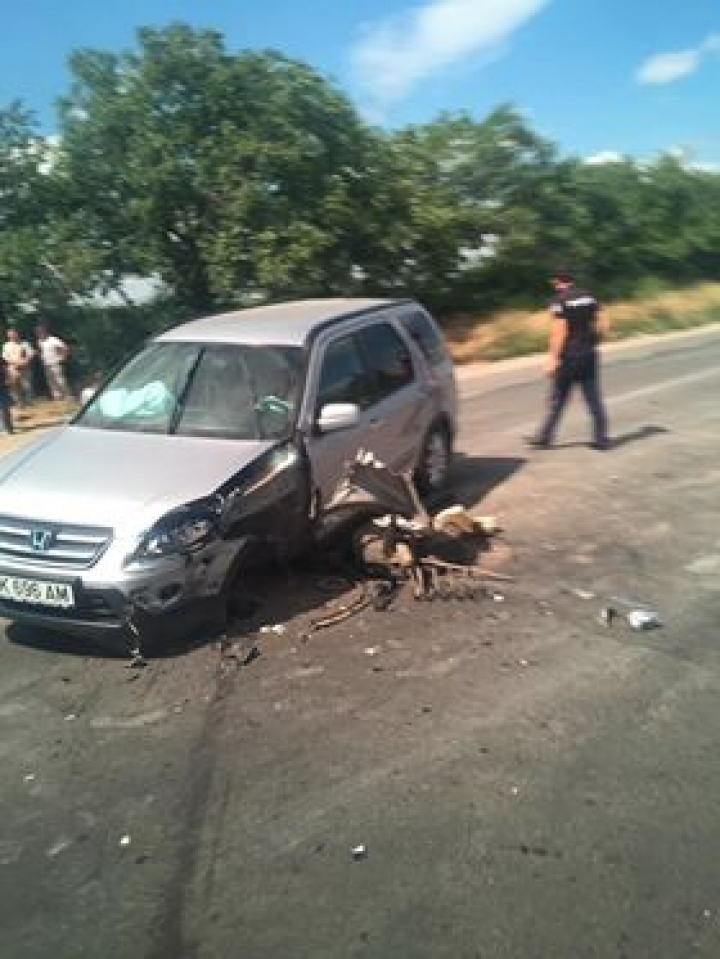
396, 54
604, 156
671, 66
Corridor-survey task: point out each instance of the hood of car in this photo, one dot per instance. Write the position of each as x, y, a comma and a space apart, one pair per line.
105, 478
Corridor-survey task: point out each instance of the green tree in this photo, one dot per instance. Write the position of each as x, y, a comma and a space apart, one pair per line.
232, 177
491, 208
27, 200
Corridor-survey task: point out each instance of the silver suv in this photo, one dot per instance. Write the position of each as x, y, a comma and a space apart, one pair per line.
220, 436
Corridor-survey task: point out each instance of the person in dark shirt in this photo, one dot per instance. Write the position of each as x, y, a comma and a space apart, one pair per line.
578, 325
5, 400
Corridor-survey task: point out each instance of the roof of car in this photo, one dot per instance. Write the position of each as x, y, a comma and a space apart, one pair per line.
288, 324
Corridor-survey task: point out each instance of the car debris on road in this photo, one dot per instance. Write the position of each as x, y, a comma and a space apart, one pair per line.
644, 619
396, 541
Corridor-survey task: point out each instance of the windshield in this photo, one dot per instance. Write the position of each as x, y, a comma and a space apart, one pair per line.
192, 389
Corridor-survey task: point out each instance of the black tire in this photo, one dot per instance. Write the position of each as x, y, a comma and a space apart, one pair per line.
433, 469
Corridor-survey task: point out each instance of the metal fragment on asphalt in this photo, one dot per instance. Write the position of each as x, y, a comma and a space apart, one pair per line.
607, 616
58, 847
644, 619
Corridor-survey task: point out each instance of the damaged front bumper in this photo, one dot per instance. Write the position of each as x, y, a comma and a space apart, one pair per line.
108, 596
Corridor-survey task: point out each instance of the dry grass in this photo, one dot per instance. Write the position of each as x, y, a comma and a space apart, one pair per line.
42, 413
517, 333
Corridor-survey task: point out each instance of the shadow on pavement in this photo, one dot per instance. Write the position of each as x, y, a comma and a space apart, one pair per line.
474, 477
49, 641
623, 439
642, 433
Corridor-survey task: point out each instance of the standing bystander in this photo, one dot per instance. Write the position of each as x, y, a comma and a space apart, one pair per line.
18, 355
53, 353
5, 398
578, 325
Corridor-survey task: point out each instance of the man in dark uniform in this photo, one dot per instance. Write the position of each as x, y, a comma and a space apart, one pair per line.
577, 327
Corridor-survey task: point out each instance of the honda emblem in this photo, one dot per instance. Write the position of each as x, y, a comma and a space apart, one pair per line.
41, 540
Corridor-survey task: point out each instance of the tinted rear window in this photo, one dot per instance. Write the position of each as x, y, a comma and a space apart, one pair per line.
387, 357
427, 337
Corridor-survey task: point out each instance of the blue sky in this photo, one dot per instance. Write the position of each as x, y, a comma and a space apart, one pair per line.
596, 76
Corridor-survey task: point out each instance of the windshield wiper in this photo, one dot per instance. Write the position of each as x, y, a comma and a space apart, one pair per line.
183, 395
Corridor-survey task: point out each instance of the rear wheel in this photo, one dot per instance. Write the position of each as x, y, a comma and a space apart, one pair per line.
433, 468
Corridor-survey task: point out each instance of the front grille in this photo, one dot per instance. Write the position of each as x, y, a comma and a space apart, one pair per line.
59, 545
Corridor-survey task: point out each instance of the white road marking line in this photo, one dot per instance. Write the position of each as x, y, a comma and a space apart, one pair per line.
623, 397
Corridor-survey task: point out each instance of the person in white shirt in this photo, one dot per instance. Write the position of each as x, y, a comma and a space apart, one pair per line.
18, 356
53, 353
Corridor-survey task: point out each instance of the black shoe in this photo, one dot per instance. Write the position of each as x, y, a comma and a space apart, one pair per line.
600, 445
537, 442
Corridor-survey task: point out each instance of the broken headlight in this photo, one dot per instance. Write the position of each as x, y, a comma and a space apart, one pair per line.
183, 530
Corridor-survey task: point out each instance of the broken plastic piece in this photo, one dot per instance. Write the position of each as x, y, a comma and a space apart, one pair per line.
607, 615
644, 619
359, 852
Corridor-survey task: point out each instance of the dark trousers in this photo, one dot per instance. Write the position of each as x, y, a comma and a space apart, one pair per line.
583, 371
5, 403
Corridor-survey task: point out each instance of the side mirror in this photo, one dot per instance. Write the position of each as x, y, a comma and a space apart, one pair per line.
338, 416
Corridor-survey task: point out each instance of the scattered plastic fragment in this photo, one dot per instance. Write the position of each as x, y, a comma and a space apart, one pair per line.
359, 852
644, 619
70, 717
607, 616
498, 598
278, 629
58, 847
29, 778
514, 790
125, 840
372, 650
583, 593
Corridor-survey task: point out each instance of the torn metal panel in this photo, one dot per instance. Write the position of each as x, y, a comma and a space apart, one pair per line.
371, 489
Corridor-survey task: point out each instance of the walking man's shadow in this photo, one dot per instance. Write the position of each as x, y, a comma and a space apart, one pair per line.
615, 442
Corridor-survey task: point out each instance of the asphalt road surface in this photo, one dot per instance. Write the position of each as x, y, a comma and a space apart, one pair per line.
525, 781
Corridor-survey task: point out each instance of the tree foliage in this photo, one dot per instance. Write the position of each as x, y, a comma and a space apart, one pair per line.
241, 177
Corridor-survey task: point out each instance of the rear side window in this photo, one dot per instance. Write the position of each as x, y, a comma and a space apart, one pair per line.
344, 376
388, 358
427, 337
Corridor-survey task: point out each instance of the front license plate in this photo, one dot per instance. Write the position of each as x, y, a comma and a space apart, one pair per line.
37, 591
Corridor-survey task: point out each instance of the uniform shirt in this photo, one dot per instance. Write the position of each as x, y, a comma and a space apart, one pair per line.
52, 350
579, 309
